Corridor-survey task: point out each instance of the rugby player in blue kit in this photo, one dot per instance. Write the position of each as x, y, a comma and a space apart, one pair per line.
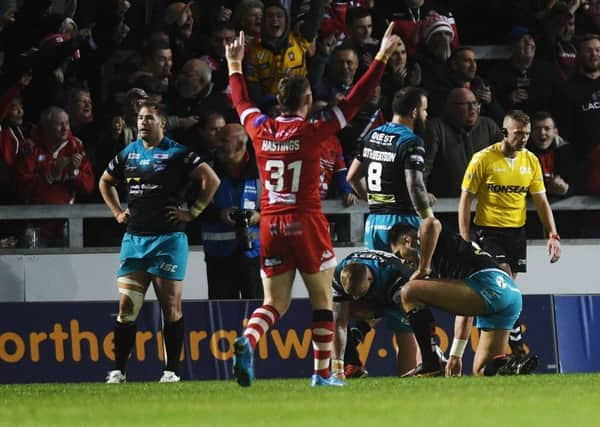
156, 171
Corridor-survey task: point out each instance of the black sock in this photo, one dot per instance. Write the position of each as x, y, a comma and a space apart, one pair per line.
173, 335
351, 353
124, 339
515, 339
423, 326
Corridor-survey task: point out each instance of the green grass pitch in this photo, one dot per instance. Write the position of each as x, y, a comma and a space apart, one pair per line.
536, 400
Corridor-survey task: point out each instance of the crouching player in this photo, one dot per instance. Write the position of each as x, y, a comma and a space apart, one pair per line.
468, 283
363, 285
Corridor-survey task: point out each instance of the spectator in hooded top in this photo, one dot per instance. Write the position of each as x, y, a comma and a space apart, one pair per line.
281, 50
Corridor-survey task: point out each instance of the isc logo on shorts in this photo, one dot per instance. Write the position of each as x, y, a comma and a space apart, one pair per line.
272, 262
171, 268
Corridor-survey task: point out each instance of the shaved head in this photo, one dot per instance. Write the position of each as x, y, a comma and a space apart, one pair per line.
233, 140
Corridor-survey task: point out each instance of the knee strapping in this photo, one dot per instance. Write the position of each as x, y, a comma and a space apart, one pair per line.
135, 292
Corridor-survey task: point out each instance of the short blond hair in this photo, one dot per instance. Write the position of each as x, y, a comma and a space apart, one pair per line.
353, 277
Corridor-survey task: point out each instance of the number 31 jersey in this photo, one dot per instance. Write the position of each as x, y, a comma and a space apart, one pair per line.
288, 152
387, 152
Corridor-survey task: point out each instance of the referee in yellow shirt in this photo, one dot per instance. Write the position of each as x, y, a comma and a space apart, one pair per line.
500, 176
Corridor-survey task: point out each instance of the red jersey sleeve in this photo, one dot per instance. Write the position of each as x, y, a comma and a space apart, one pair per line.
246, 109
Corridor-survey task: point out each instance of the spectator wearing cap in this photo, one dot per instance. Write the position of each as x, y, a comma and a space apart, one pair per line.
281, 50
438, 35
409, 17
452, 139
523, 82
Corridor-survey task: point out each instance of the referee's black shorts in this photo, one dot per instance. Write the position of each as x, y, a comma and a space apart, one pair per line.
506, 245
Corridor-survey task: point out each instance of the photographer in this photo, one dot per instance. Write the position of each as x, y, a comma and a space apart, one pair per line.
230, 223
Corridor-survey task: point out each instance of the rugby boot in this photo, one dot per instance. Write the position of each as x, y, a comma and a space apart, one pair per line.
243, 362
319, 381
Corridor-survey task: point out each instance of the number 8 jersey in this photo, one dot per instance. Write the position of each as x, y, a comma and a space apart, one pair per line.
387, 152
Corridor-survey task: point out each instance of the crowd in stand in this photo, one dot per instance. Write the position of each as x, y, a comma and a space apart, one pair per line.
73, 78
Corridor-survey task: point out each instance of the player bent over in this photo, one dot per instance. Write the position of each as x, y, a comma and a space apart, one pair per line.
294, 233
156, 170
468, 282
363, 285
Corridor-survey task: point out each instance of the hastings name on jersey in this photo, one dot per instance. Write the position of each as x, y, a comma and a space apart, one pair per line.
281, 146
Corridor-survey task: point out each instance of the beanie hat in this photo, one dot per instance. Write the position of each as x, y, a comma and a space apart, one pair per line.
434, 23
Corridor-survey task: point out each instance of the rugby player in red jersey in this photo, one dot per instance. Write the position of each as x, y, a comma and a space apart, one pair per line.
294, 233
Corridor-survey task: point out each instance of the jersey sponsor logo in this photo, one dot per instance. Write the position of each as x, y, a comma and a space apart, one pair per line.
158, 167
161, 156
381, 198
144, 162
382, 138
525, 170
291, 55
506, 188
499, 170
283, 198
171, 268
591, 106
272, 262
281, 146
380, 156
133, 156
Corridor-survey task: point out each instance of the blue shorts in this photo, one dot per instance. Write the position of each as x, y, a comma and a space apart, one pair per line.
501, 295
163, 256
378, 226
396, 320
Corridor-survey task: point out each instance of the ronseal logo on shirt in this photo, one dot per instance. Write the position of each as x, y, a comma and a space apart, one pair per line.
506, 188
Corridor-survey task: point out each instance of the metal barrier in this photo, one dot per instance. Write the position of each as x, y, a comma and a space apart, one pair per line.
75, 214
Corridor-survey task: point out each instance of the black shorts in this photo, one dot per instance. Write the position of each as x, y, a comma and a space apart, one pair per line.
506, 245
